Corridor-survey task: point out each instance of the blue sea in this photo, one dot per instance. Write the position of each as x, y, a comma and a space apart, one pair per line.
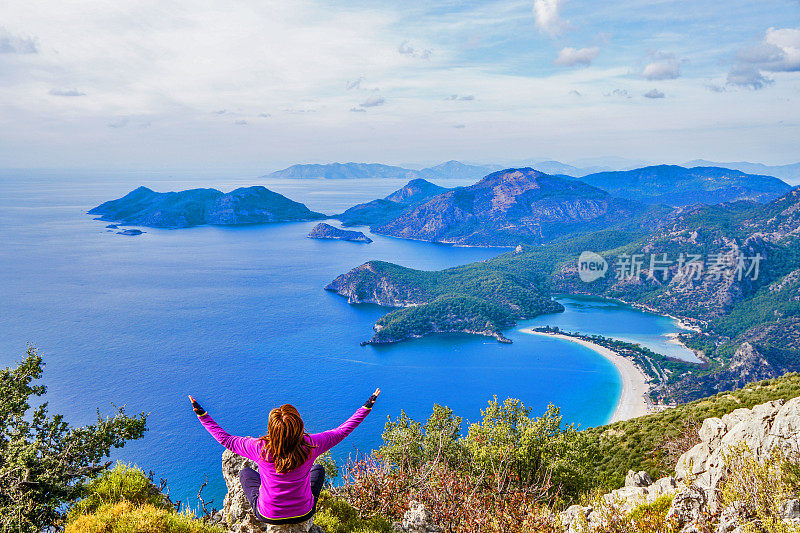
238, 318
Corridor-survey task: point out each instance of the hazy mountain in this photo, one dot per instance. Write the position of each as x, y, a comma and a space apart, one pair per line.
790, 173
678, 186
344, 171
448, 170
246, 205
507, 207
457, 170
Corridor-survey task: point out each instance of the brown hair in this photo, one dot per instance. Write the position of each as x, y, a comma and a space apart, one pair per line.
285, 439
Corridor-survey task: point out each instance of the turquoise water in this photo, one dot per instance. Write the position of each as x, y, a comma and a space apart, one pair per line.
238, 318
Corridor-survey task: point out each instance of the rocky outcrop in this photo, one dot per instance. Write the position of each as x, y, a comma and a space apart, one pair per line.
700, 472
416, 520
237, 516
326, 231
246, 205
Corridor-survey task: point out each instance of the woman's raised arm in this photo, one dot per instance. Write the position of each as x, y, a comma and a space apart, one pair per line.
245, 446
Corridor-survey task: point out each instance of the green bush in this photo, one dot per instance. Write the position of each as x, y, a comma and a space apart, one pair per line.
337, 516
122, 484
127, 517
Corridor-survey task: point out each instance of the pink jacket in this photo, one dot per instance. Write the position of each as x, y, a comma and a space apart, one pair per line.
285, 495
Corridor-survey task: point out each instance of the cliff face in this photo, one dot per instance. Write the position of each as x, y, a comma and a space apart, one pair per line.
326, 231
377, 282
246, 205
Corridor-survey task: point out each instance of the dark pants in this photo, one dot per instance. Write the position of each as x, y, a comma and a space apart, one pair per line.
251, 482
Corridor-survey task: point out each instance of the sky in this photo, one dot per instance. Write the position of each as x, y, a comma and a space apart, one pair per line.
258, 85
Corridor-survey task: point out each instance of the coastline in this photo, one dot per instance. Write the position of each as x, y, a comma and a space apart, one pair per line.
631, 402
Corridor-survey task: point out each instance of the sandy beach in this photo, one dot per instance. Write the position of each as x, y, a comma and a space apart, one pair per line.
631, 403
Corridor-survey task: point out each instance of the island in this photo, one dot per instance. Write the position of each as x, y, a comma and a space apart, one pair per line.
195, 207
130, 232
326, 231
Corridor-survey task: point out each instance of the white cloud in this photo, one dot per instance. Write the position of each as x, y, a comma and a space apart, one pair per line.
15, 44
619, 93
569, 57
664, 67
407, 50
461, 98
654, 93
778, 52
119, 123
548, 18
373, 101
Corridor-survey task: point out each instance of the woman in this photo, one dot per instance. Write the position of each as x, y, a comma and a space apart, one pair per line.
286, 487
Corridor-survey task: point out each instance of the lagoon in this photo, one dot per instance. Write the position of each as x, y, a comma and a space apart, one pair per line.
238, 318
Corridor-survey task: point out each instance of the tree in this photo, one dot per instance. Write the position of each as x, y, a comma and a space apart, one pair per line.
44, 461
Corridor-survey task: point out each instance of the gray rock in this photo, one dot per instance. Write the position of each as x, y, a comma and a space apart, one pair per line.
687, 507
790, 509
638, 479
417, 519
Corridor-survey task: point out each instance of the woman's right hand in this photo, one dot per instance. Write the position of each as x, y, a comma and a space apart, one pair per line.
371, 401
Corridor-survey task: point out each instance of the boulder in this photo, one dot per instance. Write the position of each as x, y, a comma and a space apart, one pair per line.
638, 479
416, 520
688, 507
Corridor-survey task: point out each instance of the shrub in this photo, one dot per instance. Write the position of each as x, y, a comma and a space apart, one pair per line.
127, 517
759, 487
329, 464
337, 516
123, 483
44, 461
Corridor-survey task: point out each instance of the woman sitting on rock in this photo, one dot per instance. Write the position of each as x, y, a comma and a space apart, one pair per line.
287, 485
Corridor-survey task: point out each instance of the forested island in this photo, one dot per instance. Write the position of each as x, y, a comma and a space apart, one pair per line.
195, 207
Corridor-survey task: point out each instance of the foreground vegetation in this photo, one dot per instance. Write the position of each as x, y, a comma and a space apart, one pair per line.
510, 471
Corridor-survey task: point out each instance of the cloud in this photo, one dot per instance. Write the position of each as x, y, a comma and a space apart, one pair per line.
748, 76
654, 93
620, 93
358, 110
664, 67
14, 44
264, 115
715, 88
120, 123
407, 50
548, 18
459, 126
220, 111
354, 84
241, 123
461, 98
778, 52
66, 92
570, 57
373, 101
575, 92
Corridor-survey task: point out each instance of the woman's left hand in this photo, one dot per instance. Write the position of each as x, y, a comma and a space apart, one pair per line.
199, 411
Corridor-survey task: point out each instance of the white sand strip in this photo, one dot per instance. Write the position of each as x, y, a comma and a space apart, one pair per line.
631, 403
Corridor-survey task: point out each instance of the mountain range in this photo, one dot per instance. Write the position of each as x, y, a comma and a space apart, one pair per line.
524, 205
789, 172
448, 170
678, 186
